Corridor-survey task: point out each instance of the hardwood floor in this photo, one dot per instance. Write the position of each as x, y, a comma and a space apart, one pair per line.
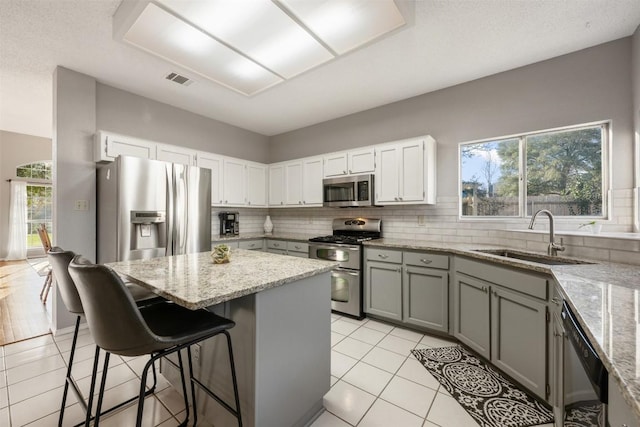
22, 315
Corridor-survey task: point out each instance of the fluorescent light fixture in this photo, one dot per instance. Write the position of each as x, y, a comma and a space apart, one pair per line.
346, 24
251, 45
259, 29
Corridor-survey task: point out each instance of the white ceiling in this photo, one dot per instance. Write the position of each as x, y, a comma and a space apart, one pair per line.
445, 43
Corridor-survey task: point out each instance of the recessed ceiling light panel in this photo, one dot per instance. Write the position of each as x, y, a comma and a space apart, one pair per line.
259, 29
346, 24
162, 34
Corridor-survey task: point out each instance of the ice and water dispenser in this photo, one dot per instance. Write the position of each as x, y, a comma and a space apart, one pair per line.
148, 231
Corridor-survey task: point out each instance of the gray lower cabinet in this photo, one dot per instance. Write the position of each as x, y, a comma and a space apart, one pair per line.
400, 288
503, 317
292, 248
425, 297
253, 245
384, 289
472, 313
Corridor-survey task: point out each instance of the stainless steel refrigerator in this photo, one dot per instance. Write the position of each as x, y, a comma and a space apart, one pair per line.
149, 208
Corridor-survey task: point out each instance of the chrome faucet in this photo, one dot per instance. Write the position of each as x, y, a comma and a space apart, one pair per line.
553, 247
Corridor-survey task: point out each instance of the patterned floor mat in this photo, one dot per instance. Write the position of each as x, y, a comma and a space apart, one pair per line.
491, 399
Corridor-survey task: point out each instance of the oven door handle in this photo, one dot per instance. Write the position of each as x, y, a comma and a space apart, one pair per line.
335, 247
341, 271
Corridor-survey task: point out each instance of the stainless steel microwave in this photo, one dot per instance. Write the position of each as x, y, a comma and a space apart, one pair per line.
348, 191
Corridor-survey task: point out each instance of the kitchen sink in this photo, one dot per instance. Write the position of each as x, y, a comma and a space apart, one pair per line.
532, 257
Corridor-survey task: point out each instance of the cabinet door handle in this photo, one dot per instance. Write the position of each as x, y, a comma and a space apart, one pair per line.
344, 172
555, 334
276, 244
395, 198
426, 261
298, 247
383, 256
556, 301
399, 269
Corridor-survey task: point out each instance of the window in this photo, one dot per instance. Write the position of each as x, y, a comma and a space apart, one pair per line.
560, 170
39, 200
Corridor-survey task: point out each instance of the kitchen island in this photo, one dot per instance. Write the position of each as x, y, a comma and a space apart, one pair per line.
281, 306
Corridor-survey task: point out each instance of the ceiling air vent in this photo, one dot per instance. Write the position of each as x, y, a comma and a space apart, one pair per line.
182, 80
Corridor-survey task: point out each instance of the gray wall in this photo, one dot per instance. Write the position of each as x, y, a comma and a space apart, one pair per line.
74, 173
589, 85
16, 149
128, 114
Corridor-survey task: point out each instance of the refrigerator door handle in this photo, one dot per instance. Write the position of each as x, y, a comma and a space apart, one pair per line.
181, 209
170, 210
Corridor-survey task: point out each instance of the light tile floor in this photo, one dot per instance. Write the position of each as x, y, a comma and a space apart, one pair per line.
374, 382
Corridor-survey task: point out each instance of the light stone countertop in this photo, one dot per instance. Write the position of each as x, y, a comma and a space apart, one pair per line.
604, 296
194, 281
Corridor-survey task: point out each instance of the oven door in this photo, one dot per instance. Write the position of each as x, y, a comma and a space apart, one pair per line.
347, 256
346, 292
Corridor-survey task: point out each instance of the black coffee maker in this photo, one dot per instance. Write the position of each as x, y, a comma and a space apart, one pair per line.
229, 223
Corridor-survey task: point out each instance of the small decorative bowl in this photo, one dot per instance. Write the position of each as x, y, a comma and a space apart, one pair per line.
221, 254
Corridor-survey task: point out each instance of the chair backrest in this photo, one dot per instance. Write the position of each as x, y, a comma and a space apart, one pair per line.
59, 260
44, 237
113, 317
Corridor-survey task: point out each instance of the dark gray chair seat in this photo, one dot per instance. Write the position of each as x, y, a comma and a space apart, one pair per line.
120, 327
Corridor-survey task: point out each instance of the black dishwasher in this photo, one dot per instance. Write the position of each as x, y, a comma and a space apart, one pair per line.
585, 377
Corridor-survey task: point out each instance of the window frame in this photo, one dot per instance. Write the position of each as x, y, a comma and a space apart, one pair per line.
606, 126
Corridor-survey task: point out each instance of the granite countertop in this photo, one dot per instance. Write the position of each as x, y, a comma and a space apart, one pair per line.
604, 296
194, 281
277, 236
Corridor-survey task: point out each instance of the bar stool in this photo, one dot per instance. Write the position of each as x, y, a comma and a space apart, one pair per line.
59, 260
121, 328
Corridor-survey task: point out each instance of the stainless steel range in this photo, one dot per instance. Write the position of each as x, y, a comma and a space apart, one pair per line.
345, 246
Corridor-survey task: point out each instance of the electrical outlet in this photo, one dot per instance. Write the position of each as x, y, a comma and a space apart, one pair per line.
422, 219
81, 205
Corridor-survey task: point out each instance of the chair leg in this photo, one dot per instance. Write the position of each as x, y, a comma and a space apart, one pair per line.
96, 420
193, 387
92, 388
46, 287
184, 391
143, 382
233, 376
68, 377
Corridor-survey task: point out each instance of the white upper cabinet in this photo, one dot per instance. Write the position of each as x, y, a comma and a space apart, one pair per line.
362, 161
234, 182
276, 185
336, 164
405, 172
312, 181
108, 146
352, 162
296, 183
293, 183
213, 162
256, 184
175, 154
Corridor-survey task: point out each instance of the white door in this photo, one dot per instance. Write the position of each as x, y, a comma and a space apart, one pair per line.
276, 185
256, 184
293, 179
411, 169
312, 181
335, 164
213, 162
386, 184
175, 154
234, 182
362, 161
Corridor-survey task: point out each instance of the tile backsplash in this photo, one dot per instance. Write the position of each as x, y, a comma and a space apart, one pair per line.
440, 223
